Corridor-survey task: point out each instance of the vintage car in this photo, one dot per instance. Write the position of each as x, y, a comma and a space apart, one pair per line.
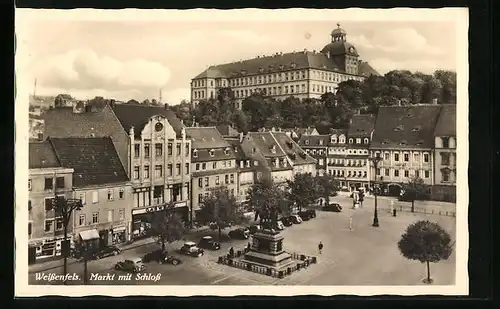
334, 207
133, 265
280, 226
287, 221
156, 256
254, 228
105, 252
241, 233
190, 248
207, 242
296, 219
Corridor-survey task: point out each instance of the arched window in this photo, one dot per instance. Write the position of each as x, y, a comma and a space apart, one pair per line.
195, 153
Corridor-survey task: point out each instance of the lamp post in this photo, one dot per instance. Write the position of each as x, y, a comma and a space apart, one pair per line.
375, 160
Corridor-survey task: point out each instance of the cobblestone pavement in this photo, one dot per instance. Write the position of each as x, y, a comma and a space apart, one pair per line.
364, 256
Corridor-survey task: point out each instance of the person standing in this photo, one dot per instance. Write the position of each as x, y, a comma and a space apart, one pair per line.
320, 247
350, 223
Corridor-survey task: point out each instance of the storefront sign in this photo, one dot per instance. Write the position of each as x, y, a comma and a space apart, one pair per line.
155, 208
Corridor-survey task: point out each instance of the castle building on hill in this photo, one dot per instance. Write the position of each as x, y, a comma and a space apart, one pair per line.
305, 74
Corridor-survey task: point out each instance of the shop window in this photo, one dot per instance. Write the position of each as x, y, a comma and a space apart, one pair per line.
81, 220
49, 184
110, 194
121, 193
95, 217
49, 225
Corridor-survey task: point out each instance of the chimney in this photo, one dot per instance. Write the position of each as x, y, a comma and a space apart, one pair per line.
241, 136
435, 101
131, 131
166, 106
40, 136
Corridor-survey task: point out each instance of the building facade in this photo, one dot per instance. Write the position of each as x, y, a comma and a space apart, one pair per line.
304, 74
101, 183
445, 155
300, 161
404, 139
336, 162
47, 179
245, 167
214, 165
317, 147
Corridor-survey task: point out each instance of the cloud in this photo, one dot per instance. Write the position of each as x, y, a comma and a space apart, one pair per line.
174, 97
384, 65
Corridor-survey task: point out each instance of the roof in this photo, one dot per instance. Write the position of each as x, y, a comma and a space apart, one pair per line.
94, 160
227, 130
339, 48
314, 140
307, 131
405, 126
265, 142
296, 154
447, 122
365, 69
42, 155
206, 138
361, 125
236, 146
271, 64
138, 115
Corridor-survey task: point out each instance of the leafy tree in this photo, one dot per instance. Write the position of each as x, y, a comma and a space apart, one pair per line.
62, 99
132, 101
220, 210
167, 226
415, 189
327, 186
303, 190
146, 102
427, 242
268, 200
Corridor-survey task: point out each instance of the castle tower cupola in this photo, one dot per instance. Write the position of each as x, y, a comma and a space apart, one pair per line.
338, 34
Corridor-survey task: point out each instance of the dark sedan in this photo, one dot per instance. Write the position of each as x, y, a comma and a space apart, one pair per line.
105, 252
154, 256
334, 207
304, 215
207, 242
241, 233
287, 221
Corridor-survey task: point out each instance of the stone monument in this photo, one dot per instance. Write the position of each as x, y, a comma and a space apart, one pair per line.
267, 250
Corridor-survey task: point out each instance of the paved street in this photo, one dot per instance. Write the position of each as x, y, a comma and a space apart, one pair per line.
364, 256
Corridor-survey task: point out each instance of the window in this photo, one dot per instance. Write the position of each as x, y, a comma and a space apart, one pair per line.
49, 225
446, 175
49, 204
203, 166
169, 149
146, 150
232, 178
170, 169
110, 215
378, 171
159, 171
350, 141
200, 182
146, 171
358, 140
186, 167
214, 165
158, 149
59, 224
110, 195
212, 153
446, 142
207, 181
396, 157
406, 157
407, 173
48, 184
417, 174
228, 163
426, 157
200, 198
136, 172
415, 157
29, 184
121, 193
82, 197
137, 150
187, 150
178, 149
396, 173
426, 174
197, 166
195, 153
29, 228
95, 197
177, 169
95, 217
367, 140
226, 179
445, 158
217, 181
121, 214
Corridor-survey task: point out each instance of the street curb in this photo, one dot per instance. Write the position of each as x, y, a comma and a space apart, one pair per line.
191, 233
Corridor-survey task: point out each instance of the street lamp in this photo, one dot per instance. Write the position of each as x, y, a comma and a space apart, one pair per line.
375, 160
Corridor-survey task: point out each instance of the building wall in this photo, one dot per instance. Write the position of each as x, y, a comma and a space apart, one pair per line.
167, 167
104, 207
39, 216
305, 168
282, 176
445, 158
394, 160
245, 182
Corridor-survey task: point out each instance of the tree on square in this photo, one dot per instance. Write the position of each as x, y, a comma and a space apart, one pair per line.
415, 189
327, 186
304, 190
220, 210
426, 242
268, 200
167, 226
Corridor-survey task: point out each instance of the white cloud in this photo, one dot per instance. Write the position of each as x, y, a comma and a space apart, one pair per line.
174, 97
402, 40
384, 65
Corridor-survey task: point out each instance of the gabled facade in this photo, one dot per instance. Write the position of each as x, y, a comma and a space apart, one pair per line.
317, 147
336, 158
245, 167
299, 159
214, 164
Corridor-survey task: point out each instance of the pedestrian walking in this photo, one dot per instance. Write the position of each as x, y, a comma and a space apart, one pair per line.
231, 252
320, 247
350, 223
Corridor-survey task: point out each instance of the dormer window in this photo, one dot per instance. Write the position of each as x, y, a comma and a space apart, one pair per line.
235, 149
273, 149
333, 139
416, 129
321, 142
367, 140
253, 150
398, 128
358, 140
226, 151
212, 152
403, 143
351, 141
195, 153
342, 139
307, 142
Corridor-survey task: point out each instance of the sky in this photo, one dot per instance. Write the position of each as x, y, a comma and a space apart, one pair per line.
125, 59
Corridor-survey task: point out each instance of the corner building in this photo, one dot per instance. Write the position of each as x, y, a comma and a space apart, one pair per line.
304, 74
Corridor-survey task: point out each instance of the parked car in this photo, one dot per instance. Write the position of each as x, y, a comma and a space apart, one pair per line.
134, 265
105, 252
280, 226
334, 207
296, 219
170, 259
304, 215
241, 233
312, 213
254, 228
207, 242
156, 256
190, 248
287, 221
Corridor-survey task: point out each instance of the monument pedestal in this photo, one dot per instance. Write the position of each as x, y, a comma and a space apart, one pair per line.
267, 250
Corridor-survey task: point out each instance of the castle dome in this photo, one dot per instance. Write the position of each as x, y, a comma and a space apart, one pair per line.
339, 44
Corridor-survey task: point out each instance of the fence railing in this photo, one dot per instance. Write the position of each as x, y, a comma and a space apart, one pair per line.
423, 210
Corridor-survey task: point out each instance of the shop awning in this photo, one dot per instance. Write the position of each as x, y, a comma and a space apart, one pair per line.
89, 234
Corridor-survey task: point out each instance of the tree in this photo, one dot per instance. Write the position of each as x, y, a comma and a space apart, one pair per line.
167, 226
132, 101
268, 200
220, 210
327, 186
303, 190
64, 208
62, 99
415, 189
427, 242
